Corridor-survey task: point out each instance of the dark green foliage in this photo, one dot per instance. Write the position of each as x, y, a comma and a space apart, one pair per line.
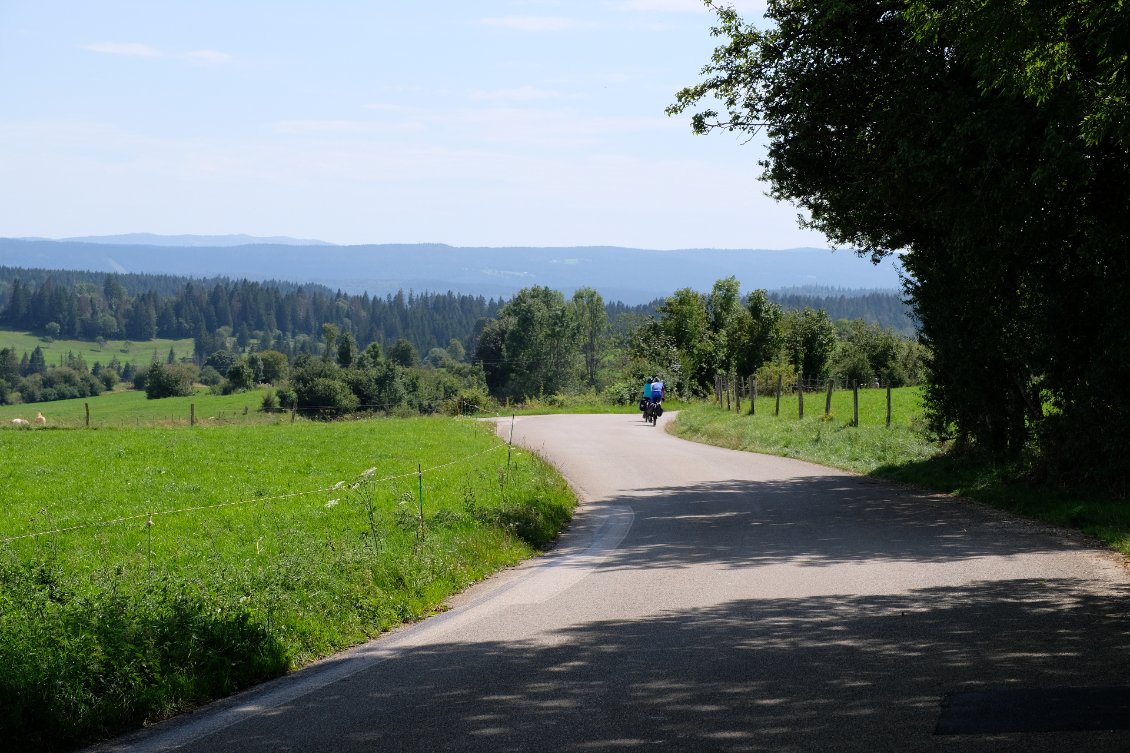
36, 363
274, 364
489, 352
379, 387
347, 352
808, 338
139, 307
326, 396
760, 336
164, 380
241, 376
270, 401
987, 142
120, 655
59, 383
541, 343
222, 360
404, 353
684, 323
9, 373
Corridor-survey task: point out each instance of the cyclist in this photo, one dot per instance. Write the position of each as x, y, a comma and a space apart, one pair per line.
657, 392
646, 393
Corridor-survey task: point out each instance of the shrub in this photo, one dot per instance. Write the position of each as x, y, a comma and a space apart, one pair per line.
327, 396
623, 393
241, 377
469, 401
210, 376
168, 380
286, 395
270, 401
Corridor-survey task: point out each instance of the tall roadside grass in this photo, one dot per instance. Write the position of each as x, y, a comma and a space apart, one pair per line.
902, 453
177, 565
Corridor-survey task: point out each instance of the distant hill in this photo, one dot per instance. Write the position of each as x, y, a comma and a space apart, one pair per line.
193, 241
634, 276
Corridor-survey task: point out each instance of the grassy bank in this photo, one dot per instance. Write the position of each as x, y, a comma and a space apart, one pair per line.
181, 564
901, 453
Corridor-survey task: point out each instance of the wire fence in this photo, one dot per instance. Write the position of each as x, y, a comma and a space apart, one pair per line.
366, 477
730, 390
88, 416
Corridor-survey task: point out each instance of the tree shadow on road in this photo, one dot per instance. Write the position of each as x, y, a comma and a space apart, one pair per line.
817, 521
835, 673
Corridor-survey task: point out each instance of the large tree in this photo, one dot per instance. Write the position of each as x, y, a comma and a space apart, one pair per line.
897, 127
541, 343
587, 310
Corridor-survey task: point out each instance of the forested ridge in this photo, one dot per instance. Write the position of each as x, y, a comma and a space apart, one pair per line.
139, 307
328, 352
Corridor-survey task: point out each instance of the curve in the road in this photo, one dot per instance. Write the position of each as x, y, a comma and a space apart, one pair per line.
706, 599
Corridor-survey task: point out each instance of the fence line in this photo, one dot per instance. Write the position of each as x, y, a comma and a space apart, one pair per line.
365, 477
723, 389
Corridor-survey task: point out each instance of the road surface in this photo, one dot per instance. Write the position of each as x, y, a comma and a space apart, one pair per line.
711, 600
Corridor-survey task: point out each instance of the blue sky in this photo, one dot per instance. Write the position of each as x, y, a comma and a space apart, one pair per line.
500, 122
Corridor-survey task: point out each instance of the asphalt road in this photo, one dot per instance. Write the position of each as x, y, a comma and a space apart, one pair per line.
710, 600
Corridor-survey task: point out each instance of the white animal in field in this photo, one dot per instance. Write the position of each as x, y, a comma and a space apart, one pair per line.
20, 422
40, 419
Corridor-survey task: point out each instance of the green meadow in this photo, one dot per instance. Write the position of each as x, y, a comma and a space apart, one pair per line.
902, 453
127, 407
138, 353
144, 571
830, 441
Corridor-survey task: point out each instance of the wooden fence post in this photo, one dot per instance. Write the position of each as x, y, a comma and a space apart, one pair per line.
828, 400
753, 394
718, 388
888, 404
738, 394
777, 410
192, 414
87, 406
293, 411
855, 403
726, 389
800, 397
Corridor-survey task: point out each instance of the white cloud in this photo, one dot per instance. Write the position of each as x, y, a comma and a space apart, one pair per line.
129, 49
532, 23
520, 94
210, 57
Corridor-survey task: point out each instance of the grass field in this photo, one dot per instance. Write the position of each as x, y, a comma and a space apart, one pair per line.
131, 408
901, 453
138, 353
830, 442
176, 565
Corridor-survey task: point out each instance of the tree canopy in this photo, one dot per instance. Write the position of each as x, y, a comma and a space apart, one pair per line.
986, 143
